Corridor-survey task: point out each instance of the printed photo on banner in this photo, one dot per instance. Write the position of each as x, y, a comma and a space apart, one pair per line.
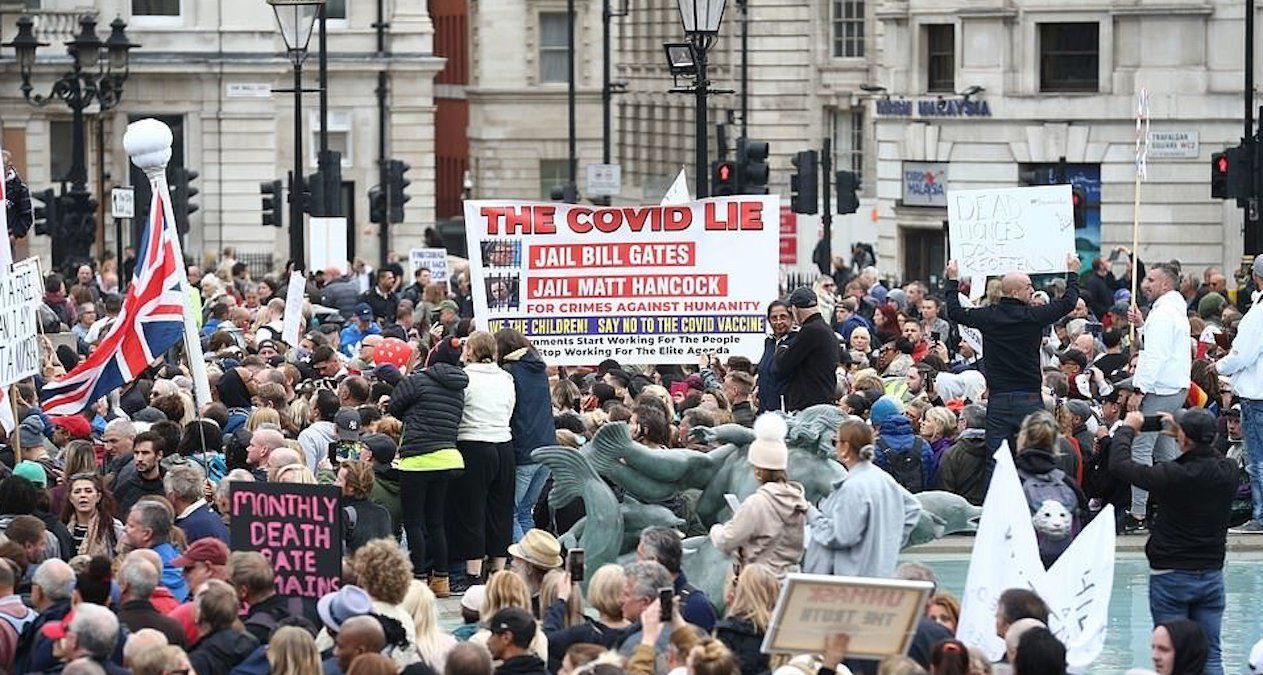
879, 615
642, 284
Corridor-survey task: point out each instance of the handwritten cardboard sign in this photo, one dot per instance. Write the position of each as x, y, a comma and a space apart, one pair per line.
880, 615
21, 292
298, 528
1028, 229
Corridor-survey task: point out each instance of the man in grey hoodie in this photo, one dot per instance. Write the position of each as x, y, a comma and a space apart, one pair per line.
315, 439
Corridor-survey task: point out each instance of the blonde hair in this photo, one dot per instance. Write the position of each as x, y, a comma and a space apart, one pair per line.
944, 422
605, 590
481, 346
505, 589
390, 427
710, 657
755, 595
384, 571
1039, 431
423, 607
262, 416
858, 435
295, 473
292, 651
548, 594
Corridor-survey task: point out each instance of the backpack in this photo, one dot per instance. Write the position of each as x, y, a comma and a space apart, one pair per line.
904, 465
268, 621
1047, 495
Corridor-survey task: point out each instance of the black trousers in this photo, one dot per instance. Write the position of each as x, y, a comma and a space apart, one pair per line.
423, 495
480, 502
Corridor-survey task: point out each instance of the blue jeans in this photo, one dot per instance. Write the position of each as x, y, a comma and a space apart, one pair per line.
530, 482
1005, 413
1252, 430
1191, 594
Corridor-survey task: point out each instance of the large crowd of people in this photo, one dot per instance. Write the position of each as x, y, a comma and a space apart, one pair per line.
116, 552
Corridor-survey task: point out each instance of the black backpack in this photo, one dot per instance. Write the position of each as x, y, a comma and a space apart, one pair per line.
904, 465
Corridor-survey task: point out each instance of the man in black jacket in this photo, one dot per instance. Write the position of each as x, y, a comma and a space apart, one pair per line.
808, 360
512, 630
1188, 531
1012, 332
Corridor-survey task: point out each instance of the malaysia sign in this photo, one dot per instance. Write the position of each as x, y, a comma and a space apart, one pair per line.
932, 107
925, 183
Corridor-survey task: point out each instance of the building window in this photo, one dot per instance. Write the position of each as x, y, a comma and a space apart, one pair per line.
335, 9
155, 7
848, 28
848, 140
554, 54
339, 135
1069, 57
940, 58
60, 149
552, 174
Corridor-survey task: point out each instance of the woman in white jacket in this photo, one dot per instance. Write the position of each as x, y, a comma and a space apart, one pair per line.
480, 501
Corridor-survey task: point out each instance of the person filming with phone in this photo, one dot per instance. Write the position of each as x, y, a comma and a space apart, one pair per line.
1187, 538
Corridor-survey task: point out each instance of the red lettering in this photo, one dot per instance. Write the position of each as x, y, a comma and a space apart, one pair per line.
579, 220
751, 215
544, 223
676, 218
517, 221
636, 218
493, 214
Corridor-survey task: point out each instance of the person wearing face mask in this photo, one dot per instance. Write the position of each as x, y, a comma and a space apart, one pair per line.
770, 383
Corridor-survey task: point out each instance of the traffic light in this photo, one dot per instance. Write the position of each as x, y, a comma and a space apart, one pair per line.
182, 194
330, 187
1079, 200
314, 189
804, 185
272, 212
376, 205
566, 193
723, 179
1219, 175
848, 192
1240, 172
47, 216
396, 182
752, 170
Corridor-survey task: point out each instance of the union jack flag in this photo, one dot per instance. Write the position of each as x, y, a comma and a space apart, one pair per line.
152, 320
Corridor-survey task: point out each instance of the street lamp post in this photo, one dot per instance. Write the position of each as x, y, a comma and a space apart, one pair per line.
90, 80
296, 19
701, 19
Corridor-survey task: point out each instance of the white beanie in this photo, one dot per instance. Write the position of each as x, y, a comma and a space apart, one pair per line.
767, 450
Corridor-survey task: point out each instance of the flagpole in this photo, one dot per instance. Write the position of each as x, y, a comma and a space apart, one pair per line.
148, 142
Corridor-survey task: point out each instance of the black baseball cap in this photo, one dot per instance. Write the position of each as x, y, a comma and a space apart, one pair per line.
803, 297
1198, 424
513, 620
348, 423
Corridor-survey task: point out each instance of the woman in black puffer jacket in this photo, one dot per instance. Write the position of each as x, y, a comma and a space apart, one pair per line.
430, 403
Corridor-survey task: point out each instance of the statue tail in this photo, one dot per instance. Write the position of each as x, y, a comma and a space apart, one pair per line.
571, 474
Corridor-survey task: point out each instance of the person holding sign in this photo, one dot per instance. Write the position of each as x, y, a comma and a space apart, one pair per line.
1012, 333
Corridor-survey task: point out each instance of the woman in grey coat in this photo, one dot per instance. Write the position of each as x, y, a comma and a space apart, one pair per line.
861, 526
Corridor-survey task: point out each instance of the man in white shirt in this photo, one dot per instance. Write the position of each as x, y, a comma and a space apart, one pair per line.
1163, 370
1245, 364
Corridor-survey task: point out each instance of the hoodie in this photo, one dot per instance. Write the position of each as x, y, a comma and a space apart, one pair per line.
315, 441
767, 527
532, 420
218, 653
526, 664
895, 435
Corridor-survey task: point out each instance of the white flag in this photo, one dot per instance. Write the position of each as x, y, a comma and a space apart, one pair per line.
6, 251
7, 421
678, 193
1005, 556
293, 309
1077, 589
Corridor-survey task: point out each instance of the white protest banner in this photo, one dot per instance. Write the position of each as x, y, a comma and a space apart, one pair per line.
433, 259
1005, 556
6, 250
1077, 589
678, 193
293, 308
1027, 229
21, 290
328, 243
880, 615
641, 284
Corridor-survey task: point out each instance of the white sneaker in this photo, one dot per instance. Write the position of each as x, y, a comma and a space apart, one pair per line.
1249, 527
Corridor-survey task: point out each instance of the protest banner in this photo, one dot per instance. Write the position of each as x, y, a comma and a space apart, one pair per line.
643, 284
291, 328
993, 232
433, 259
21, 293
1077, 590
328, 245
880, 615
298, 528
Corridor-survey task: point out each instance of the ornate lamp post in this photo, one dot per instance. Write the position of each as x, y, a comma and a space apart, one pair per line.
296, 19
701, 19
98, 71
